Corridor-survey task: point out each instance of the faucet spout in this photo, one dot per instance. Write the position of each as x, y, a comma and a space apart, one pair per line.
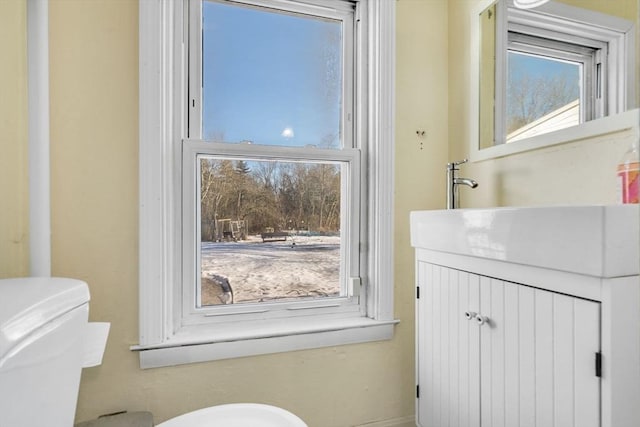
453, 181
465, 181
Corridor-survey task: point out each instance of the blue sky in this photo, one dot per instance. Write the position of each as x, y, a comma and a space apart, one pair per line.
551, 84
266, 72
537, 67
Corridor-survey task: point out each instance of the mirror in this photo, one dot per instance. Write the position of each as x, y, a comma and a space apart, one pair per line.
554, 67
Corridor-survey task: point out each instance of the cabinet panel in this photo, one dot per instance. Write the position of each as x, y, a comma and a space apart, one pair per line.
527, 361
491, 372
531, 363
544, 345
448, 345
511, 356
454, 349
468, 384
586, 385
474, 349
565, 361
424, 345
576, 389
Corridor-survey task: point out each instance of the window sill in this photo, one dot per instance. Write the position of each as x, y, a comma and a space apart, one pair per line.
206, 343
591, 129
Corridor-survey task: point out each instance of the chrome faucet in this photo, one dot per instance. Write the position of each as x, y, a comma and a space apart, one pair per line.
453, 182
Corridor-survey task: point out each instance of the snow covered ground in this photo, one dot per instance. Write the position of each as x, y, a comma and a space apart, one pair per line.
301, 266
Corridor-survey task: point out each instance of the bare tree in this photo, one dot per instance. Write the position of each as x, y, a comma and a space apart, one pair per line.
214, 193
280, 195
530, 97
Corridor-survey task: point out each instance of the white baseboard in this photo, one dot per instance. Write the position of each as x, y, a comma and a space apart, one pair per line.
395, 422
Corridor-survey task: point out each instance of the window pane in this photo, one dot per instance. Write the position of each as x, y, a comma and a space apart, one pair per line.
543, 95
269, 230
271, 78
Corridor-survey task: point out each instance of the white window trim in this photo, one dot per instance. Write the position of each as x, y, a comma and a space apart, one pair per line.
553, 16
331, 9
349, 302
162, 341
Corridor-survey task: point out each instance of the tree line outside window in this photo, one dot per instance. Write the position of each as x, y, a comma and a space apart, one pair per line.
269, 196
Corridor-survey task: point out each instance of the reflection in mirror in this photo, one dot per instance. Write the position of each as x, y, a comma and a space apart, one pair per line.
550, 68
544, 92
487, 75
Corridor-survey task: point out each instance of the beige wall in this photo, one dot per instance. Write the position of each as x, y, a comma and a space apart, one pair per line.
14, 205
626, 9
581, 172
420, 159
94, 84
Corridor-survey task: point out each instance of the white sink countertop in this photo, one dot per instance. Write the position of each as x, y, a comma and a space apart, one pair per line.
600, 241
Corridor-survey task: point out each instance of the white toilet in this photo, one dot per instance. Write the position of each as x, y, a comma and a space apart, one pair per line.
42, 323
236, 415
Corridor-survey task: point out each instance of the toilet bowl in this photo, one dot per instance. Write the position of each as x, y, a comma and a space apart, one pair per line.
236, 415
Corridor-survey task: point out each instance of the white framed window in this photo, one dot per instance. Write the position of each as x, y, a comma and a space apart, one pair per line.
571, 91
265, 176
283, 109
554, 77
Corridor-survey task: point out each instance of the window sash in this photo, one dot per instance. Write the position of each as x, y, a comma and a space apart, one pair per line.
349, 236
350, 154
342, 11
590, 59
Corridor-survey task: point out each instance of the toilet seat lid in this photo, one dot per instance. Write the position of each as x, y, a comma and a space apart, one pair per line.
29, 303
237, 415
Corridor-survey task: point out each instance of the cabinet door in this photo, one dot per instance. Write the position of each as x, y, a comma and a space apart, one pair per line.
537, 357
532, 363
448, 348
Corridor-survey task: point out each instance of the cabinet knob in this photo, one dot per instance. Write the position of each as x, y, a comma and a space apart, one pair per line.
482, 319
470, 315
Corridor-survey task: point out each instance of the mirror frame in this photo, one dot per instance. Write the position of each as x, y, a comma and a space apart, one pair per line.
613, 123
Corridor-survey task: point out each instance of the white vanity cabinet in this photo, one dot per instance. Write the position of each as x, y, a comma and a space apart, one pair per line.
496, 353
508, 333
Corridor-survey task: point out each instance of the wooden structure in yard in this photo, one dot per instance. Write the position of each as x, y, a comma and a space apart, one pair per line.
231, 230
274, 236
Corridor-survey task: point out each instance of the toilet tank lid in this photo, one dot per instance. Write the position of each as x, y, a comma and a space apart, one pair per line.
26, 304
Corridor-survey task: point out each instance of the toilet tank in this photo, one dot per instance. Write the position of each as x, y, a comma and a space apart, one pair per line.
42, 321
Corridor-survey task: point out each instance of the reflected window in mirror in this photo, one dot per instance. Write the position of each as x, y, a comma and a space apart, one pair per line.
551, 85
549, 68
